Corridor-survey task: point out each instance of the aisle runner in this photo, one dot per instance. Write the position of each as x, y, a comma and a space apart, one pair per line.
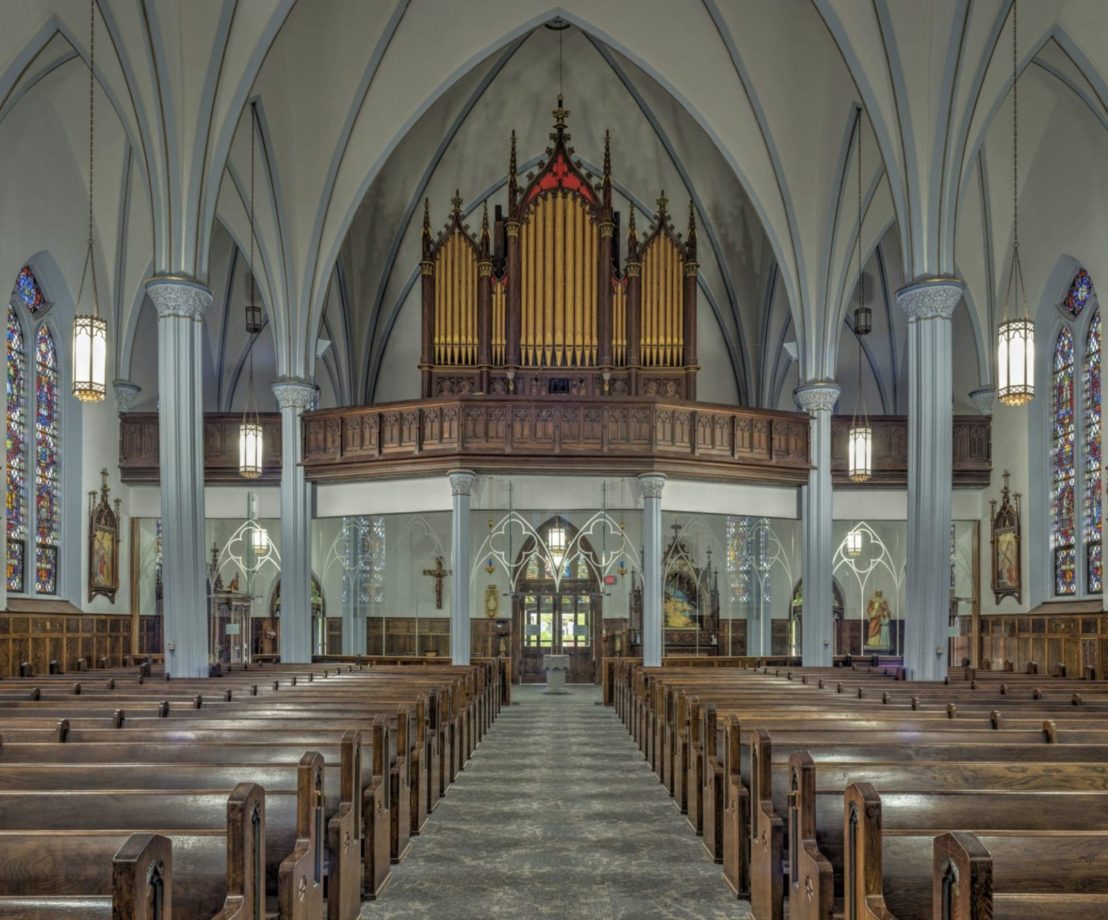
557, 815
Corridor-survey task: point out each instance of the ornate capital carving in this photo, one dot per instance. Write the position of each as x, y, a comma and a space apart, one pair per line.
484, 269
511, 227
930, 298
652, 484
634, 269
691, 268
295, 393
179, 295
426, 268
606, 227
817, 396
461, 481
983, 398
125, 394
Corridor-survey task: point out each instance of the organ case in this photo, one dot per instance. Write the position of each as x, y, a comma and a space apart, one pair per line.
538, 304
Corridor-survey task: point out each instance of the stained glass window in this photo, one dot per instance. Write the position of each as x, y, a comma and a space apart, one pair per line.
28, 290
1090, 386
1063, 536
46, 463
17, 454
1080, 291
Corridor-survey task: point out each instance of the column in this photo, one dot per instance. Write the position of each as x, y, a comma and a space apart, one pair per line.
353, 609
180, 303
929, 304
760, 640
652, 485
461, 485
294, 396
818, 399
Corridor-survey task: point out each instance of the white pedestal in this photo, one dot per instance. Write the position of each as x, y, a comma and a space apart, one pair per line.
556, 667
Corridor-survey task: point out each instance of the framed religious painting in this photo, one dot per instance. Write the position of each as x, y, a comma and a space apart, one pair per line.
103, 543
1006, 541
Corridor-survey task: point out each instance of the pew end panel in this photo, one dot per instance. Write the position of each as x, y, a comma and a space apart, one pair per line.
300, 874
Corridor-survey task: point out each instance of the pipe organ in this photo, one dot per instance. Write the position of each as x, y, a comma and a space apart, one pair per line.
538, 303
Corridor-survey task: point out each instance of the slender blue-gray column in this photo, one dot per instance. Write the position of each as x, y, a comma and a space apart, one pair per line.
461, 485
180, 303
652, 485
818, 399
761, 638
354, 597
929, 304
294, 396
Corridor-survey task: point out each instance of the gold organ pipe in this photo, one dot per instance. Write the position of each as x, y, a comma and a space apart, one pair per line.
594, 294
527, 289
438, 308
679, 311
560, 267
547, 280
580, 255
648, 306
674, 304
670, 303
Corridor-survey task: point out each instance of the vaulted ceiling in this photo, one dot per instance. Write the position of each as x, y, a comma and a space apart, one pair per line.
748, 108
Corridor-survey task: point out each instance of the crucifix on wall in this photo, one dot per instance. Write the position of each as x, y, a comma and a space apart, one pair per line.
438, 573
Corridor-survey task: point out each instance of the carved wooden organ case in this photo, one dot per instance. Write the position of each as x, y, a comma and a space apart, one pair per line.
540, 305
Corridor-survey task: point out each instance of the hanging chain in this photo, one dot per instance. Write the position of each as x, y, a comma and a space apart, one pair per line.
90, 261
251, 335
1016, 288
861, 292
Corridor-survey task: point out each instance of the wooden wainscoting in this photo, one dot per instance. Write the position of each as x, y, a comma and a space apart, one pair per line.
1073, 635
42, 637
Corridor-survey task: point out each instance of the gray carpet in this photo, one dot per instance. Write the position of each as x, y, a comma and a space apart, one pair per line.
557, 815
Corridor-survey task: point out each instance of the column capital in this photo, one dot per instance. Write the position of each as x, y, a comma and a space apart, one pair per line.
817, 396
295, 393
983, 398
179, 295
652, 484
125, 393
461, 481
930, 298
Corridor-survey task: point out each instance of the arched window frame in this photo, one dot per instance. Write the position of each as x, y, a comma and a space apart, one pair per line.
32, 321
1084, 544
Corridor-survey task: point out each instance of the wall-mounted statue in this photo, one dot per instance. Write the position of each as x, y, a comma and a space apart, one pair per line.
492, 602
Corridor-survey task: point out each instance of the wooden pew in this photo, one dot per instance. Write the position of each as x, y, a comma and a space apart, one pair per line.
215, 872
139, 887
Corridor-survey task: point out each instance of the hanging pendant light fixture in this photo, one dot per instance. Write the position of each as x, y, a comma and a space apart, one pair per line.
1015, 359
860, 437
854, 542
556, 545
90, 330
259, 540
250, 431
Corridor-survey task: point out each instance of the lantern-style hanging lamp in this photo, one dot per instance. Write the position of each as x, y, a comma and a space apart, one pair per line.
90, 330
259, 540
1015, 353
854, 542
860, 437
556, 544
251, 448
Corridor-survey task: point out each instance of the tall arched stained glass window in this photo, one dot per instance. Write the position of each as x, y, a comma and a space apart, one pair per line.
17, 454
1090, 384
33, 429
1077, 480
1063, 536
46, 463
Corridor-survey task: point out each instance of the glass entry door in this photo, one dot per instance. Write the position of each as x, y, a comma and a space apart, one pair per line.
558, 624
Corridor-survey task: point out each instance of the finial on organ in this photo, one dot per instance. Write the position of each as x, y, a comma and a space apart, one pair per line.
690, 243
632, 237
663, 203
456, 202
513, 184
426, 216
561, 113
607, 170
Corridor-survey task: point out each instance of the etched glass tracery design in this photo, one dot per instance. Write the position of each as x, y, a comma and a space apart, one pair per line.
1063, 535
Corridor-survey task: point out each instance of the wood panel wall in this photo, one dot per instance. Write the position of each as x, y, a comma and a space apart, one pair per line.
1077, 640
42, 638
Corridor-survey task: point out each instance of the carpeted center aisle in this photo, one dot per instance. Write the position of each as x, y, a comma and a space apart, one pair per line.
557, 815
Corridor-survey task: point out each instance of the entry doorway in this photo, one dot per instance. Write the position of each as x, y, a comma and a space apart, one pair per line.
557, 615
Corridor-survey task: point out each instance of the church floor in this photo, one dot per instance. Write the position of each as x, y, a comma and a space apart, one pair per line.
557, 815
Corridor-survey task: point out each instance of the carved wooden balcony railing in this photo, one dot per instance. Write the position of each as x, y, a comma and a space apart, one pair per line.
972, 451
613, 436
138, 447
